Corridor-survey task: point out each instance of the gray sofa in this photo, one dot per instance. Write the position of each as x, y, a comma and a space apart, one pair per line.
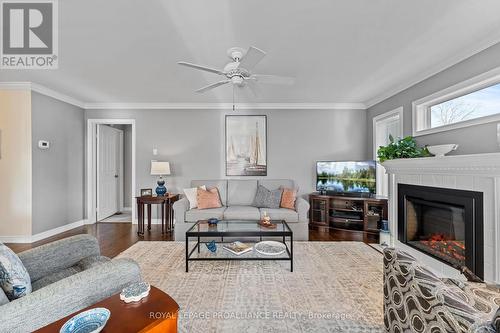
66, 276
237, 198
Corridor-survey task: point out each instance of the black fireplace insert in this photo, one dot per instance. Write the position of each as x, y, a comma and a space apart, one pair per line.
446, 224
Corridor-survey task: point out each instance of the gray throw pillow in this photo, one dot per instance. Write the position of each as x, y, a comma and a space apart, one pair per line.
3, 298
265, 198
14, 278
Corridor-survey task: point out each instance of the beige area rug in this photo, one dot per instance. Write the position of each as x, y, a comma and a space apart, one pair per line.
335, 287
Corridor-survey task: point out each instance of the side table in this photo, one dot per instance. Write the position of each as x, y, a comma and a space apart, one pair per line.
167, 216
156, 313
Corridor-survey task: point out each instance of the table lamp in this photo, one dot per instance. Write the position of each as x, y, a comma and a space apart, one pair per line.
160, 169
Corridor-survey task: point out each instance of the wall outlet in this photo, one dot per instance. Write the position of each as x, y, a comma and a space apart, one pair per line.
43, 144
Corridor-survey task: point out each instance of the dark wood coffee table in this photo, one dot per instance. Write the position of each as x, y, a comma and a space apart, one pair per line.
155, 313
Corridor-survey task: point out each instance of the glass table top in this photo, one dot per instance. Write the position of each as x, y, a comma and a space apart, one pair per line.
227, 226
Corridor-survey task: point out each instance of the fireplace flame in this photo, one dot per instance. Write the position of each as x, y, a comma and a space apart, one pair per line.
444, 247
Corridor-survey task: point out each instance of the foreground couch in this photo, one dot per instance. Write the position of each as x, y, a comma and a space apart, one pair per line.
416, 300
66, 276
237, 198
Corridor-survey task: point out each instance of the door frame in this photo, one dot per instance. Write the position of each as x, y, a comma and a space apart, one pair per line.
91, 165
120, 169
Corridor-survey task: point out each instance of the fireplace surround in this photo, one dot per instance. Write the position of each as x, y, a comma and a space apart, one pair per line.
478, 173
446, 224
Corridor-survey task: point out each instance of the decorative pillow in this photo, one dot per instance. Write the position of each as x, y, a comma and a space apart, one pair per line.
14, 278
265, 198
208, 198
191, 194
3, 298
288, 198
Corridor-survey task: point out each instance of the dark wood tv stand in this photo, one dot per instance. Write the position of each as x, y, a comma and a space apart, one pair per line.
348, 217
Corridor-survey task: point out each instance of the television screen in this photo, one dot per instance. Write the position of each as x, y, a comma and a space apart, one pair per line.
346, 177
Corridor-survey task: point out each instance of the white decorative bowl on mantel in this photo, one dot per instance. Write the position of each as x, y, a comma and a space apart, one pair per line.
442, 150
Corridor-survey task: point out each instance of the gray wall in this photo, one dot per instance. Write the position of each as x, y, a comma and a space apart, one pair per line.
193, 142
58, 172
475, 139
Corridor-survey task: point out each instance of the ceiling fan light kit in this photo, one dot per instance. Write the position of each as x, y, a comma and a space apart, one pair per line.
239, 71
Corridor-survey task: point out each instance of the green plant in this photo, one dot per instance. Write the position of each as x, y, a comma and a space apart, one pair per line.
402, 148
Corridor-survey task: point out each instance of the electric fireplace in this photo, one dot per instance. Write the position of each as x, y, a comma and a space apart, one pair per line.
446, 224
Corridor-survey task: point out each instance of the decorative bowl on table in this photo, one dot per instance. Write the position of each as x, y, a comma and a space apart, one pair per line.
213, 221
90, 321
135, 292
441, 150
270, 248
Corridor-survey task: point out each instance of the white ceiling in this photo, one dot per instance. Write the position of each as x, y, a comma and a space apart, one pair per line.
352, 51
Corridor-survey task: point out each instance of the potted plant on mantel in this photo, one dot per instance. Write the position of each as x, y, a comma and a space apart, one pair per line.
402, 148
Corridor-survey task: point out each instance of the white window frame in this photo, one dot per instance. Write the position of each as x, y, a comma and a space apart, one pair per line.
421, 108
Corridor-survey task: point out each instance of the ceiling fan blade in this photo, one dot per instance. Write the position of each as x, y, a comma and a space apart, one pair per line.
212, 86
252, 58
254, 89
203, 68
273, 79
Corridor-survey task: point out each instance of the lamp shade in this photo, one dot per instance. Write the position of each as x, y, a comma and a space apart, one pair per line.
160, 168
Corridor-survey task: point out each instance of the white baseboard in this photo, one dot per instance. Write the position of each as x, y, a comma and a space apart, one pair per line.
127, 209
15, 239
42, 235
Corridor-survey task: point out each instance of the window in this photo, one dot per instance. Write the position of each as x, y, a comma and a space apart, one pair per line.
473, 102
385, 125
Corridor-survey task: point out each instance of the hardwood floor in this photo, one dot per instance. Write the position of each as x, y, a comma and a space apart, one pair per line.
115, 238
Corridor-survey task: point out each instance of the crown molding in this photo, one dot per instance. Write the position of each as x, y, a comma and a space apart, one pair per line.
15, 85
492, 39
176, 106
56, 95
38, 88
226, 106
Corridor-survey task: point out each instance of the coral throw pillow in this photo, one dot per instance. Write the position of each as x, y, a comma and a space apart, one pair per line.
208, 198
288, 198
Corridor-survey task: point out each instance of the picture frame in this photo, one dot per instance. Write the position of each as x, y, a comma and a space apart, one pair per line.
146, 192
246, 145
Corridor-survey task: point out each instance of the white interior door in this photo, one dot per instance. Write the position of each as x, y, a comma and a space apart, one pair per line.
108, 171
384, 125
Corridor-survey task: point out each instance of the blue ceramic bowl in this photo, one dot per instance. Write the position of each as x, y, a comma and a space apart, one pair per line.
90, 321
213, 220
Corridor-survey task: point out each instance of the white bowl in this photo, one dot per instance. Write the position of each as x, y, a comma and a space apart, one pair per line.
441, 150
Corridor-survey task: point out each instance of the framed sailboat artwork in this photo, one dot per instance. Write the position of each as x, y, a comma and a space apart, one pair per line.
246, 145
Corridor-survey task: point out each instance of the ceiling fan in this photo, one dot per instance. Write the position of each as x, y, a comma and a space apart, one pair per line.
239, 71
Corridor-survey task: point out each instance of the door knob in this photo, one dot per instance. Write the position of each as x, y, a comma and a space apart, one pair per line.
116, 176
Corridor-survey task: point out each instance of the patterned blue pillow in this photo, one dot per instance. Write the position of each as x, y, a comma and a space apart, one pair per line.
14, 278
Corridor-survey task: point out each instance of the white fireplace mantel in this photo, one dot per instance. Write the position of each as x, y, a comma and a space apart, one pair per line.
476, 164
478, 172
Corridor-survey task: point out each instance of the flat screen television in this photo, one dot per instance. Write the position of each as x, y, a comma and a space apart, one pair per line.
348, 177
